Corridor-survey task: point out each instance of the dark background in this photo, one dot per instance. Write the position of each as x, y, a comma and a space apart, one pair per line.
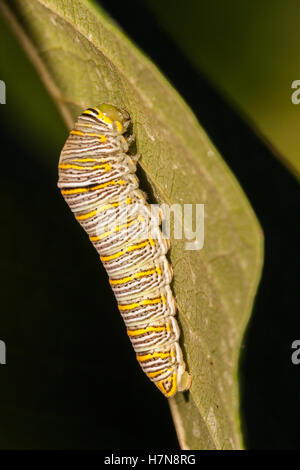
68, 394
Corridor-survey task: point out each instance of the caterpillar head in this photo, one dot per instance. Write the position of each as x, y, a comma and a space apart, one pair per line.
111, 115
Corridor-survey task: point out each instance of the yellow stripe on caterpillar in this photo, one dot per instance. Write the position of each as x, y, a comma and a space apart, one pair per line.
130, 248
158, 372
149, 329
67, 166
101, 137
115, 282
142, 302
147, 357
94, 188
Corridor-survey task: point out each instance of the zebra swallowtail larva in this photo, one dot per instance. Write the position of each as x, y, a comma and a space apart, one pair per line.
97, 179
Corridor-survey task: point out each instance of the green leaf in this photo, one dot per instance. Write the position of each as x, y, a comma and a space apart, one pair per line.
84, 60
250, 51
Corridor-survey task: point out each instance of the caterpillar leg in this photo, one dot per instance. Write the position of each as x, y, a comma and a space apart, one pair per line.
130, 138
185, 382
184, 379
136, 157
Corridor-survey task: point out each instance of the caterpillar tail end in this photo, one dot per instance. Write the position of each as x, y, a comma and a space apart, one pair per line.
169, 387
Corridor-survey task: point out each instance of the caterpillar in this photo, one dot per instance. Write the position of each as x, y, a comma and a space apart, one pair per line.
97, 180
